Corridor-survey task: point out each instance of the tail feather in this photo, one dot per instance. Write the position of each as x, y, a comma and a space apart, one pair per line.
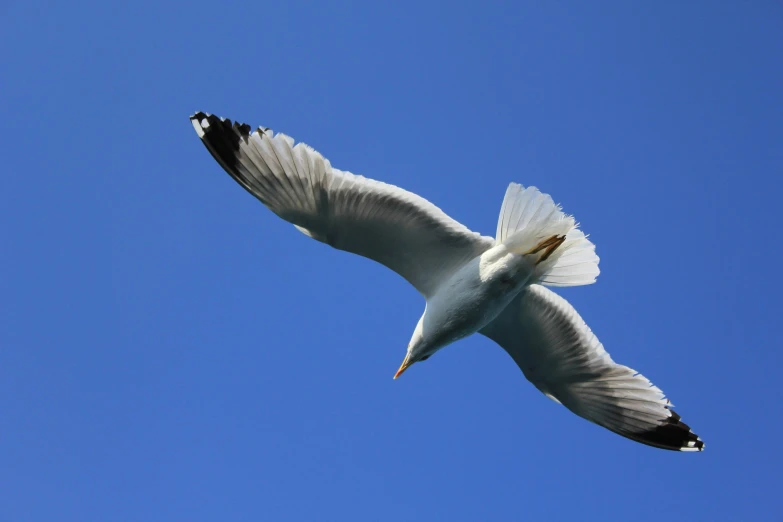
530, 223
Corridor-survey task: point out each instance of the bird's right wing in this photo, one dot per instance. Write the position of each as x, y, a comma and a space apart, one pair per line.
394, 227
559, 354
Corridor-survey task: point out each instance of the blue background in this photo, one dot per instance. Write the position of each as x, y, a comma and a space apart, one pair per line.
170, 350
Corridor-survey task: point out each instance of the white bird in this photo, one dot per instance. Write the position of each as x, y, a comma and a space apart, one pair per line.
471, 283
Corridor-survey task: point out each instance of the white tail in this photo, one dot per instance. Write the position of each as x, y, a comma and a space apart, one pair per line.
530, 223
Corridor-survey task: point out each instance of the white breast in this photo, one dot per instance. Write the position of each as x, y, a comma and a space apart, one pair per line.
474, 296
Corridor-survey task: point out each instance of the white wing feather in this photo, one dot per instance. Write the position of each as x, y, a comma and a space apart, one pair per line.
559, 354
392, 226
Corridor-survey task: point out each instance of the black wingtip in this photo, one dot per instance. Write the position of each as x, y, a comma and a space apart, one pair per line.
672, 435
219, 137
223, 139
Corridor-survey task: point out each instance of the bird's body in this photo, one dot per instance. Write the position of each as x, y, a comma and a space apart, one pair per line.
471, 283
471, 298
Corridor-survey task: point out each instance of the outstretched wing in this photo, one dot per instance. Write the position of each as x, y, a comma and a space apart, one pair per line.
559, 354
376, 220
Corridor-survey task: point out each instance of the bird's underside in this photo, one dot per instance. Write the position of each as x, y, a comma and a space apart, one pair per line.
541, 331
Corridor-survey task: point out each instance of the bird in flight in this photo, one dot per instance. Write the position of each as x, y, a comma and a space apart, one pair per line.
471, 283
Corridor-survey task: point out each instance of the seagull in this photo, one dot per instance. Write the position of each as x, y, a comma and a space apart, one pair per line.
471, 283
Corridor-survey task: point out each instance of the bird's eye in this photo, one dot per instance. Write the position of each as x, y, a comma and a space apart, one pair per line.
425, 358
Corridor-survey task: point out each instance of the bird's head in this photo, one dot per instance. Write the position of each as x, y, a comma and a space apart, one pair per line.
419, 349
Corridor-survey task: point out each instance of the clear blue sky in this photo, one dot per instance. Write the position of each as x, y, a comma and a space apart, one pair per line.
171, 350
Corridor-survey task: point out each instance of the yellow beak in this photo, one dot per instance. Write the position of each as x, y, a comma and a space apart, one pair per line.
404, 365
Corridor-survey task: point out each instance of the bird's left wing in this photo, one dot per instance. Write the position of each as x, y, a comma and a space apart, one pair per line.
392, 226
559, 354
